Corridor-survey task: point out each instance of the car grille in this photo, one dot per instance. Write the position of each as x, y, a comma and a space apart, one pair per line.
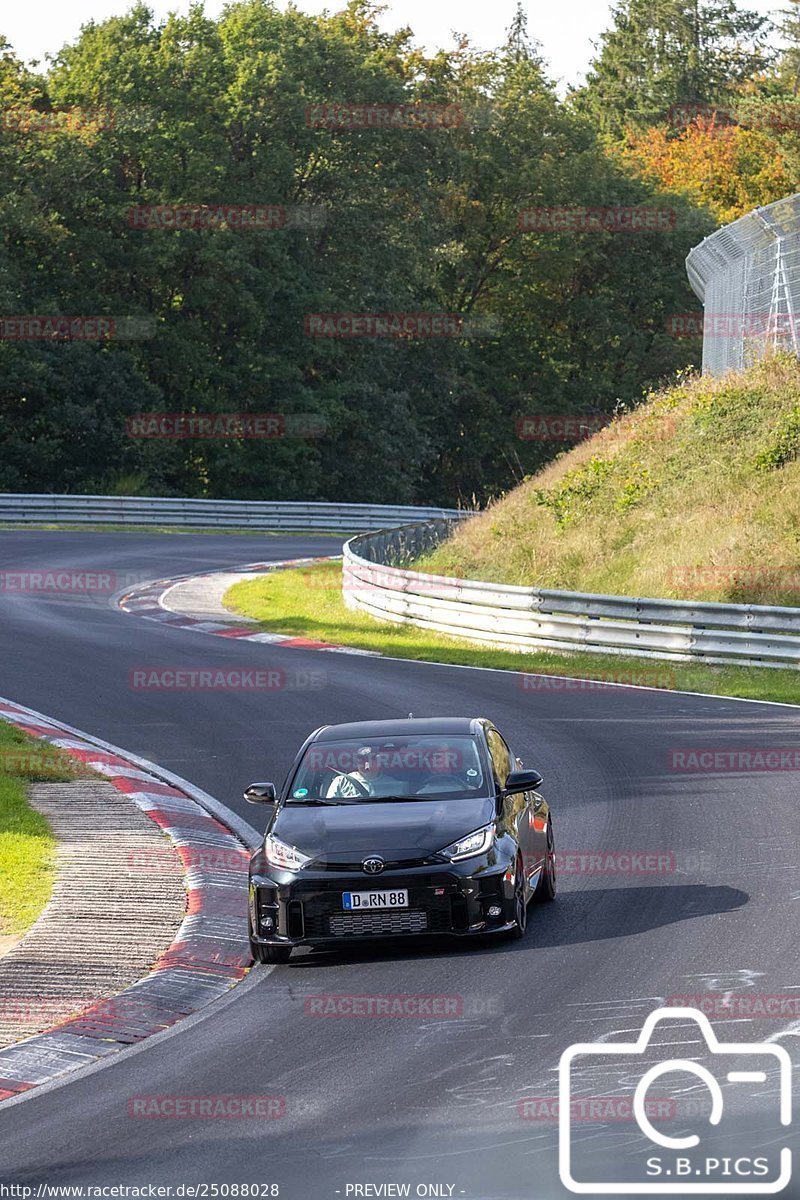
363, 924
324, 918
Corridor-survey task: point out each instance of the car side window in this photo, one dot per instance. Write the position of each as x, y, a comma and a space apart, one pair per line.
501, 756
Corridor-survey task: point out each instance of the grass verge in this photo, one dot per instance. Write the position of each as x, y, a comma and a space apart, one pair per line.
695, 495
307, 602
27, 847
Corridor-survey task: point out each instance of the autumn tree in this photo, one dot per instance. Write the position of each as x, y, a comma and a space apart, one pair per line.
725, 168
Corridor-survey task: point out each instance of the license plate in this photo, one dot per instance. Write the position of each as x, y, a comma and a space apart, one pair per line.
358, 900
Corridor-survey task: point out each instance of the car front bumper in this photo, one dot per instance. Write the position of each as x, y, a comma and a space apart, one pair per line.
454, 899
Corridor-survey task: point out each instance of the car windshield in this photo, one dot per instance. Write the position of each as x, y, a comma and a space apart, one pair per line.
389, 767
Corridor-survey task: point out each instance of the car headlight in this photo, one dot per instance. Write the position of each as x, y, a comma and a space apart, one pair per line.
474, 843
278, 854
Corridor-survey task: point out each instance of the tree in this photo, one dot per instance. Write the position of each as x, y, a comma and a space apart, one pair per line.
417, 220
660, 53
519, 44
790, 57
726, 169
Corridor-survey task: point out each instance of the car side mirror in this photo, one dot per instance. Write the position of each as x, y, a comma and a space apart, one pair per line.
260, 793
523, 781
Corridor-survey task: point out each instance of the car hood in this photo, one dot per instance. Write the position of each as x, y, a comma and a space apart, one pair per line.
393, 828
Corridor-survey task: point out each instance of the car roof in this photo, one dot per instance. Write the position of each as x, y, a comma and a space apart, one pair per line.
417, 726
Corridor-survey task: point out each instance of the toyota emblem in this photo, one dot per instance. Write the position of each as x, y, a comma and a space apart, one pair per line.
373, 866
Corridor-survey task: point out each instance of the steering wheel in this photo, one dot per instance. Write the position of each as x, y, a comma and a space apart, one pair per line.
362, 790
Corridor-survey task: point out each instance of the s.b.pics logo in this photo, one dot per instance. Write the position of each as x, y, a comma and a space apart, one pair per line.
726, 1134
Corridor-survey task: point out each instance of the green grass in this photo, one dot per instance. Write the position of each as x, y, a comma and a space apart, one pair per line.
307, 602
27, 846
694, 495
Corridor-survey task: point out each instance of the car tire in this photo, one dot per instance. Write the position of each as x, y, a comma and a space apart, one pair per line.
520, 917
271, 954
546, 888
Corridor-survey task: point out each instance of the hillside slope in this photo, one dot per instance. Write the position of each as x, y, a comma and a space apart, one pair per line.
696, 494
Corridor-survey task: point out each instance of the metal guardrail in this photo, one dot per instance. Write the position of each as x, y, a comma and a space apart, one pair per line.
748, 276
520, 618
272, 515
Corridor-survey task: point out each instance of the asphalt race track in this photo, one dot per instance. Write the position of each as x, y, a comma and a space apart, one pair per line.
418, 1100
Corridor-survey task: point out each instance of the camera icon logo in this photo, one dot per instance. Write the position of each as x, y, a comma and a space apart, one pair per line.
683, 1166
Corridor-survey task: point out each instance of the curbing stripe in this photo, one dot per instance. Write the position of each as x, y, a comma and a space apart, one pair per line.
146, 601
210, 952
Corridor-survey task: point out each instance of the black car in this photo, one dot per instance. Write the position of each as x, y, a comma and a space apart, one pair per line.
399, 828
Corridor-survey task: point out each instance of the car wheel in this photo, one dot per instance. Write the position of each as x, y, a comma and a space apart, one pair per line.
546, 887
520, 917
271, 954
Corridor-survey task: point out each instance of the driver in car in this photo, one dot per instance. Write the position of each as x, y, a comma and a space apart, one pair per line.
370, 777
